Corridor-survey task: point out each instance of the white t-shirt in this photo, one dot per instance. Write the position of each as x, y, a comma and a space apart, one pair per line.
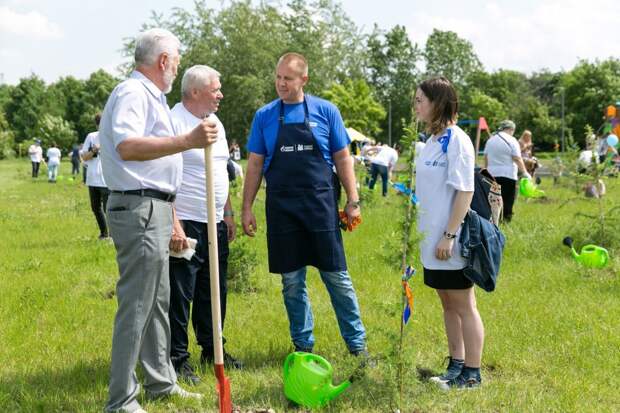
35, 152
438, 176
386, 157
419, 146
94, 174
499, 153
137, 108
53, 156
190, 203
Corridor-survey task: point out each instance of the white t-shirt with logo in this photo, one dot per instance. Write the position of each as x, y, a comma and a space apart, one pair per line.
53, 156
190, 203
499, 153
387, 156
439, 176
94, 174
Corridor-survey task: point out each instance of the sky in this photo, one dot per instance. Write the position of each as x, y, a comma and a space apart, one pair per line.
55, 38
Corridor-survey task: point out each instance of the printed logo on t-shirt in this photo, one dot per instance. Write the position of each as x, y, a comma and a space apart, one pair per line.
312, 124
436, 163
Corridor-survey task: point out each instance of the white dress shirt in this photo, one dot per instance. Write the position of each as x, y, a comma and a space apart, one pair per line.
190, 203
94, 174
137, 108
35, 152
53, 156
386, 157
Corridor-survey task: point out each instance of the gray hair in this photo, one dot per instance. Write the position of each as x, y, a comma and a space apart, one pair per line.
151, 43
197, 76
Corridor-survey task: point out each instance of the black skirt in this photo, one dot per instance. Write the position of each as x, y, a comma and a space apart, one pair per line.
446, 279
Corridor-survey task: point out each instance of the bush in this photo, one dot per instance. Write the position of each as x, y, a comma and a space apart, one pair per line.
241, 263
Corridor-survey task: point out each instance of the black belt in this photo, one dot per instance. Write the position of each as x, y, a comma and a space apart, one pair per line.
151, 193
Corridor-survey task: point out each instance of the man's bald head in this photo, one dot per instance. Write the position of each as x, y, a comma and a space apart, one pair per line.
295, 60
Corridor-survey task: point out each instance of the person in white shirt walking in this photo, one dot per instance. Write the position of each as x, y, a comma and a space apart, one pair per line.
53, 162
36, 157
189, 280
382, 164
502, 158
445, 187
142, 167
97, 190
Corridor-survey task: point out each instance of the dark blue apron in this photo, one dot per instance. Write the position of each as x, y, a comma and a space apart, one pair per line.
301, 208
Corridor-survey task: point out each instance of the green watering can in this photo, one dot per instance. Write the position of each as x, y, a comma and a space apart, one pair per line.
591, 255
528, 189
308, 380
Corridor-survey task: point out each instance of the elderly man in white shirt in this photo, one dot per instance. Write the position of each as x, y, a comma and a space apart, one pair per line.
502, 157
36, 156
142, 167
189, 280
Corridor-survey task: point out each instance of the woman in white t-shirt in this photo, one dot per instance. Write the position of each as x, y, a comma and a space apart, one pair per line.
445, 187
502, 157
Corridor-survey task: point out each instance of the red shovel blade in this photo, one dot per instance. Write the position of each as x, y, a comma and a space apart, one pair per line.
223, 389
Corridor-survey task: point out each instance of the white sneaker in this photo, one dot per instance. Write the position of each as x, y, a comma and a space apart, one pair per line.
184, 394
140, 411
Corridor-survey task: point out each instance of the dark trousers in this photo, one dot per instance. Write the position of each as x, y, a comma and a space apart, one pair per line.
75, 166
35, 169
379, 170
84, 167
509, 192
98, 201
190, 280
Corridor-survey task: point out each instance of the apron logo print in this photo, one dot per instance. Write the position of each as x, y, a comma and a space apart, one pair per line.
287, 148
300, 147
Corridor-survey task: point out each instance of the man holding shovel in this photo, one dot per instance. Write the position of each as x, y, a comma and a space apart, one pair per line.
295, 142
189, 279
142, 167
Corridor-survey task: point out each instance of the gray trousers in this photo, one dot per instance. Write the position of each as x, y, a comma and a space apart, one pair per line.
141, 228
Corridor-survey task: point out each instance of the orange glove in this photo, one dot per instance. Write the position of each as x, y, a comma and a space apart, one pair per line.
347, 225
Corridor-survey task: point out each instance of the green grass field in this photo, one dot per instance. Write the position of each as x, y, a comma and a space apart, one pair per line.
552, 327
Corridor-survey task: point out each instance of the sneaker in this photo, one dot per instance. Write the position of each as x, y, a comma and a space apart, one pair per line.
461, 382
364, 359
184, 394
186, 373
229, 361
455, 367
140, 410
303, 349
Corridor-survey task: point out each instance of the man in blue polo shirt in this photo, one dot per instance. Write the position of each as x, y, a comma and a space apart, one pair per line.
294, 143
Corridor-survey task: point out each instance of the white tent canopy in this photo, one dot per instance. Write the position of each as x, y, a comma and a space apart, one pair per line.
357, 136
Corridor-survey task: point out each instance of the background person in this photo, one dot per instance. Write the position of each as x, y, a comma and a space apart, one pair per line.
302, 136
97, 190
75, 161
36, 157
502, 158
190, 280
53, 162
445, 187
142, 167
382, 164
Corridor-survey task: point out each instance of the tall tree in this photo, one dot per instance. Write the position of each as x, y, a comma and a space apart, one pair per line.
29, 101
392, 71
357, 105
448, 55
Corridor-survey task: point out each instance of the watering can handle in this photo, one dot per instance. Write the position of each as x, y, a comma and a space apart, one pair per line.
287, 363
323, 363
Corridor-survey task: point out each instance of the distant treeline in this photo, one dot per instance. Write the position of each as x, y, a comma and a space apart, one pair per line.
371, 77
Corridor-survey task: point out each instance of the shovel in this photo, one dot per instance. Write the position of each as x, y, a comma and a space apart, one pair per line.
223, 383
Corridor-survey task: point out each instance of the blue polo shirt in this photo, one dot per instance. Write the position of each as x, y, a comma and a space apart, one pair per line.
325, 123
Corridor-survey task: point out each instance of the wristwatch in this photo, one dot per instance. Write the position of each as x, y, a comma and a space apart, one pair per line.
355, 204
229, 213
449, 235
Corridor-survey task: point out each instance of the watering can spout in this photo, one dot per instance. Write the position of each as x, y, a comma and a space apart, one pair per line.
335, 391
574, 254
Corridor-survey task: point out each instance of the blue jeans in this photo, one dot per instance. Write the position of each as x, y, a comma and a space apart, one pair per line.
343, 300
379, 170
52, 172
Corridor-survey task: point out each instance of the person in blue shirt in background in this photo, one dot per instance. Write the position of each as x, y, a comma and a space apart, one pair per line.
295, 142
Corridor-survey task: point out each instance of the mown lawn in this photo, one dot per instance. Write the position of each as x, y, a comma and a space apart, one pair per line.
552, 327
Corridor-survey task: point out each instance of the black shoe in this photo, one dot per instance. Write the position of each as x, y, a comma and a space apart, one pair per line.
303, 349
463, 381
229, 361
455, 367
186, 373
